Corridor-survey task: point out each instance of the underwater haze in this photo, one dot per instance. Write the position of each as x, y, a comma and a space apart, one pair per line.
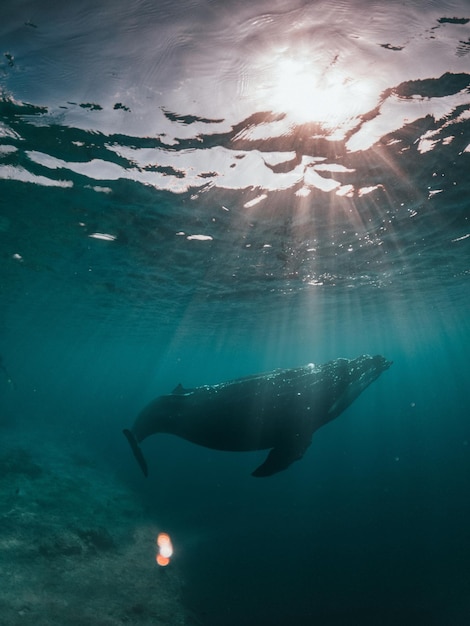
196, 191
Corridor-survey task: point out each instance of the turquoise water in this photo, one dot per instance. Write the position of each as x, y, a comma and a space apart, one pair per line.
195, 194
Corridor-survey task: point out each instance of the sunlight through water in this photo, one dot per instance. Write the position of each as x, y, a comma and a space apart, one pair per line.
197, 191
308, 89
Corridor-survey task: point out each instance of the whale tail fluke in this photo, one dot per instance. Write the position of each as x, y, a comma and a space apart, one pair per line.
137, 451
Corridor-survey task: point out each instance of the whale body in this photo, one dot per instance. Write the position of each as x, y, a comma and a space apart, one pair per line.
278, 410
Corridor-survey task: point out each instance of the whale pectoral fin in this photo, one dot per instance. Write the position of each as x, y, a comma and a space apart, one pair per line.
280, 457
137, 451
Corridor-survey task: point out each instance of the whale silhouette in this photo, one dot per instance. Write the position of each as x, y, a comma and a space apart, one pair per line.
278, 410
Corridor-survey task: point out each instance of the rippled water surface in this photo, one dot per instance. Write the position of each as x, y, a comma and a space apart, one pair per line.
195, 191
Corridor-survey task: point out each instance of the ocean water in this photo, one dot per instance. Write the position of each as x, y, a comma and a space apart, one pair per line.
196, 191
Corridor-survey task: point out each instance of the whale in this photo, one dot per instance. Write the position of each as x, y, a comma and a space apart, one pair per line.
277, 411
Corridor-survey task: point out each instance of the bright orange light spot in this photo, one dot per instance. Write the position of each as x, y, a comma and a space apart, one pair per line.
162, 560
165, 549
163, 539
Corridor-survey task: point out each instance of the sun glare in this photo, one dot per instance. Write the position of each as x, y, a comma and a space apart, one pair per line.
308, 91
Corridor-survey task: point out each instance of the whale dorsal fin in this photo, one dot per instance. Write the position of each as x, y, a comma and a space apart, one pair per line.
179, 390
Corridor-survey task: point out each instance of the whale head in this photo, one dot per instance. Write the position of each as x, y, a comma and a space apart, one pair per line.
353, 376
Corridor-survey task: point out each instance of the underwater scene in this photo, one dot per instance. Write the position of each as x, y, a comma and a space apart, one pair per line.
234, 313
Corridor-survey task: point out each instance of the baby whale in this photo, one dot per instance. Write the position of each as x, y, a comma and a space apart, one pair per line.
278, 410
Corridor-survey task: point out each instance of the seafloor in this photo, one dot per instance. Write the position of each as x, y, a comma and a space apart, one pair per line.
76, 547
